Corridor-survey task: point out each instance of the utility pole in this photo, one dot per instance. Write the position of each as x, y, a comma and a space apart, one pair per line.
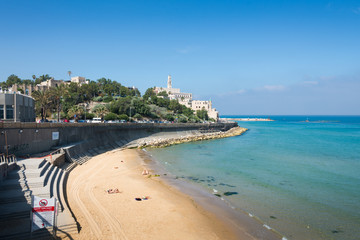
130, 114
7, 151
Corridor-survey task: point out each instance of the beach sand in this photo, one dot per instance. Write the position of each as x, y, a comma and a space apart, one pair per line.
166, 214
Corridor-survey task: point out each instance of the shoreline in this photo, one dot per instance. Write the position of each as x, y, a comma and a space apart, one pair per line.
162, 211
238, 220
99, 214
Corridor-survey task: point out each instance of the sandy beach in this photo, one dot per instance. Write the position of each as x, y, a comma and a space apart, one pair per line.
163, 212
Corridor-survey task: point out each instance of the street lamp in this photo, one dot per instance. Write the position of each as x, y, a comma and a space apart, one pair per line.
130, 113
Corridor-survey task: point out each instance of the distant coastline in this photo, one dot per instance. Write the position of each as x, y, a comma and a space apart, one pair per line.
248, 119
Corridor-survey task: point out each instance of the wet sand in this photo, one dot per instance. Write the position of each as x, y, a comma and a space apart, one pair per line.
167, 213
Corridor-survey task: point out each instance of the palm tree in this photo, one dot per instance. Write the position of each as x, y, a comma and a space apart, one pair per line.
56, 95
42, 101
100, 110
69, 72
76, 111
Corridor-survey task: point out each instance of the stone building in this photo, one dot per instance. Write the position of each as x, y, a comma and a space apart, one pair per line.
50, 83
206, 105
186, 99
174, 93
16, 107
79, 80
45, 85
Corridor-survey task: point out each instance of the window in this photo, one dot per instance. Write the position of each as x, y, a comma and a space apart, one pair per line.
1, 111
9, 112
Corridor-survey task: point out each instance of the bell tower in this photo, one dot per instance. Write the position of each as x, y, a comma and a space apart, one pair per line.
169, 82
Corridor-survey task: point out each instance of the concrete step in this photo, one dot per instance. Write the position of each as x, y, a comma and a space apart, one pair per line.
71, 166
25, 234
41, 191
14, 208
53, 181
13, 184
32, 163
12, 196
49, 173
24, 173
10, 228
59, 193
45, 168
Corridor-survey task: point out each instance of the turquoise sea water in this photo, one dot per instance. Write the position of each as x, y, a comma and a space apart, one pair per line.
300, 178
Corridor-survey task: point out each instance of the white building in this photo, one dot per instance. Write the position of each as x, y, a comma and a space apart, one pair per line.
186, 99
79, 80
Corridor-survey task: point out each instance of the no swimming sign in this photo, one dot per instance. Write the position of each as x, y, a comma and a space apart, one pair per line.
43, 212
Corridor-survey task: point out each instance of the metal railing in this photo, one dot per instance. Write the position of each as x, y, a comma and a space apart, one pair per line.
7, 159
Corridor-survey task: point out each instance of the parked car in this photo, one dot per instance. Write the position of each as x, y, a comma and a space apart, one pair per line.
96, 120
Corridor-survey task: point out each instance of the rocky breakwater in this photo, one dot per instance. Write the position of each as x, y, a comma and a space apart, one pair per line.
165, 141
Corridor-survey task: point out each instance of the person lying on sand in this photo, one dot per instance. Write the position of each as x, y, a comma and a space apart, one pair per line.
145, 172
110, 191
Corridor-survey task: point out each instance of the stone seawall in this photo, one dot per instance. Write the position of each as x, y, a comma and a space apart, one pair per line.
29, 138
195, 136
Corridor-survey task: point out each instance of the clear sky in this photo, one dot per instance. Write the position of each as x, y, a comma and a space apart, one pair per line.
249, 57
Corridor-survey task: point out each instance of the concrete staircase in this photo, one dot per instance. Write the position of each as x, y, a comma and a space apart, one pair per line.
36, 177
83, 151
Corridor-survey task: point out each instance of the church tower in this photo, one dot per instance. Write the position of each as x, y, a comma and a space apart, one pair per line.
169, 82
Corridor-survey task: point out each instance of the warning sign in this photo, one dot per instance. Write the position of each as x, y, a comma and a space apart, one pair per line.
43, 210
55, 135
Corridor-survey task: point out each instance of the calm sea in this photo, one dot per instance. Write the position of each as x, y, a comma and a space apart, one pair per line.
301, 178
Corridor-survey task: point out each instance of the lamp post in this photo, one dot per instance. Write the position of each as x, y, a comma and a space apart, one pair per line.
85, 105
130, 114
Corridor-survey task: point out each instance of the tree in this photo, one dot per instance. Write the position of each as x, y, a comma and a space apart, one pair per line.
138, 116
42, 78
135, 92
141, 107
120, 106
13, 79
202, 114
163, 93
100, 110
28, 82
76, 112
42, 102
56, 96
169, 117
110, 116
123, 117
187, 111
175, 106
148, 94
69, 72
124, 91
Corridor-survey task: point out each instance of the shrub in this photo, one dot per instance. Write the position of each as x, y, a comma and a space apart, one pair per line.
169, 117
110, 116
182, 119
123, 117
98, 99
138, 116
107, 99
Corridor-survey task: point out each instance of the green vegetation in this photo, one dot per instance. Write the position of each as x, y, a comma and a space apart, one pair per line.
106, 99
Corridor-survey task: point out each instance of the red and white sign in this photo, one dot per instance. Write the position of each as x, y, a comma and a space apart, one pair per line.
43, 210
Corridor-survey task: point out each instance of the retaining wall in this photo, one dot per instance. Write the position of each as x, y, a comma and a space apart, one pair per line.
30, 138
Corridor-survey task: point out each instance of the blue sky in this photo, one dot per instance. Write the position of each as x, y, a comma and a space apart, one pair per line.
249, 57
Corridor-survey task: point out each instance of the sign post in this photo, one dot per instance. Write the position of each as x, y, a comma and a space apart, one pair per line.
43, 213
